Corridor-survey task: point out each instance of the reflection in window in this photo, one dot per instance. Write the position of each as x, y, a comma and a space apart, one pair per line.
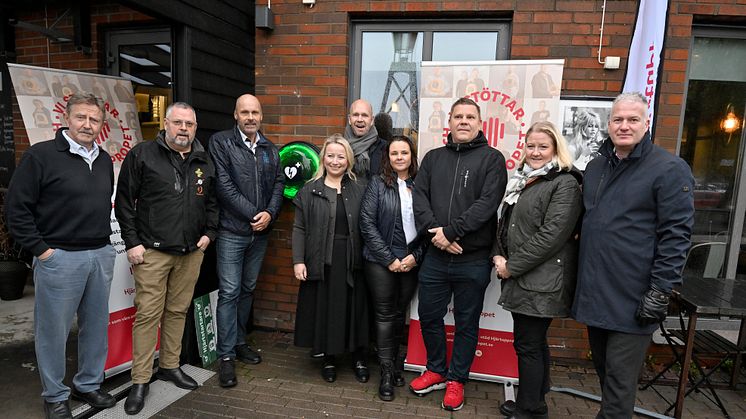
711, 139
464, 46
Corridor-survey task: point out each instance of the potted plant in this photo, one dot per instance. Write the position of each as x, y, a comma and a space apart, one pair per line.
13, 269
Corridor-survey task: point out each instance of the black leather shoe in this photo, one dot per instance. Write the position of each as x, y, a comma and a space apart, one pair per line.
136, 399
227, 373
540, 413
361, 372
57, 410
96, 398
247, 355
507, 408
329, 373
178, 377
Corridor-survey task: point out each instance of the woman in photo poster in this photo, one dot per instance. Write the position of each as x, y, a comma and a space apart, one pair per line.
392, 252
587, 138
535, 256
332, 311
436, 121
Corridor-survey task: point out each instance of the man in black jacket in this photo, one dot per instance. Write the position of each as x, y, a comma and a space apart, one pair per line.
639, 212
59, 208
459, 188
249, 188
168, 214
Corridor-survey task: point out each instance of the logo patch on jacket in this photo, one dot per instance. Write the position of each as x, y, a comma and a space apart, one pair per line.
200, 189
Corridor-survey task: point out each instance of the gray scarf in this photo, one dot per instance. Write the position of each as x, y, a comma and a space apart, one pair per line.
520, 178
360, 147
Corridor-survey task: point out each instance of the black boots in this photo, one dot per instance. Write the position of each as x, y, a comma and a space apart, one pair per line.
386, 387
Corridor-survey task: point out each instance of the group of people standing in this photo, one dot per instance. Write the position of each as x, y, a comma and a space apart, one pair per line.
371, 228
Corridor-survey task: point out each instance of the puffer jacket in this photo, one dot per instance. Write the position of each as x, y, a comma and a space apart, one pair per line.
164, 202
542, 248
380, 217
313, 228
248, 183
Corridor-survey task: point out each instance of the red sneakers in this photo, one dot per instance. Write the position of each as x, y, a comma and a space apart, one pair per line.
428, 382
454, 398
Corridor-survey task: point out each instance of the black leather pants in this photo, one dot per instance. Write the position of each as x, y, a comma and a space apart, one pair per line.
390, 294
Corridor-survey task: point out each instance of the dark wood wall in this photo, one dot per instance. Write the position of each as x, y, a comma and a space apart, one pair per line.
213, 53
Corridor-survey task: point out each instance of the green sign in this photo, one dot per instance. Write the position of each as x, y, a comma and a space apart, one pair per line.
204, 320
299, 160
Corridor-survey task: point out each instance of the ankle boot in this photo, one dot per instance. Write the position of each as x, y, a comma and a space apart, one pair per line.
398, 370
386, 387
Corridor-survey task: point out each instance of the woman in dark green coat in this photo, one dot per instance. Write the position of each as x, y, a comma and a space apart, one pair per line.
535, 255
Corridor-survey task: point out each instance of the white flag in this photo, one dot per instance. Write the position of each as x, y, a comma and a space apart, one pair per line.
645, 51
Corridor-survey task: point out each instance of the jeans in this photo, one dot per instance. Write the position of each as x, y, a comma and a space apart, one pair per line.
530, 343
391, 293
439, 279
618, 358
66, 283
239, 261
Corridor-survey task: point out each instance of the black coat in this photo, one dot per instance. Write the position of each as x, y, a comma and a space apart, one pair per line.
636, 229
163, 202
247, 183
313, 228
542, 250
380, 214
459, 188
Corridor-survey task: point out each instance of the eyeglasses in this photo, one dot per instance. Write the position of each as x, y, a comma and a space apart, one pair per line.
188, 124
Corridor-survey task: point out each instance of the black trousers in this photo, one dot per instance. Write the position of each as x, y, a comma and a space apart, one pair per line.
618, 358
530, 343
390, 294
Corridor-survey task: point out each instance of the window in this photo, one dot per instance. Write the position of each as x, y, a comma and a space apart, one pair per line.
144, 57
386, 57
712, 142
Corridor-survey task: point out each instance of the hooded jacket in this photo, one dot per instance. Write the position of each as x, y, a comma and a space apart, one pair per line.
639, 213
459, 188
165, 202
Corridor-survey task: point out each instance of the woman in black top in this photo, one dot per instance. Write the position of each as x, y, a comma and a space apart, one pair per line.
392, 252
331, 316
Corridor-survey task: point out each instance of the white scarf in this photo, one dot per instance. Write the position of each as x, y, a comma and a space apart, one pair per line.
520, 178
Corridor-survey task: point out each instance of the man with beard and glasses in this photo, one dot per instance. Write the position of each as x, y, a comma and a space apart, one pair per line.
168, 213
364, 140
249, 188
59, 208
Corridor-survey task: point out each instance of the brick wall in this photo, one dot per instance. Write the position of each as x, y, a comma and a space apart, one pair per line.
302, 69
33, 48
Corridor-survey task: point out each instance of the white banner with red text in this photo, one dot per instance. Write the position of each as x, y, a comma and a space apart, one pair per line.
512, 95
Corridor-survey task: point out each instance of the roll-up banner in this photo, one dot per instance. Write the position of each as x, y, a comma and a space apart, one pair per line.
511, 95
42, 95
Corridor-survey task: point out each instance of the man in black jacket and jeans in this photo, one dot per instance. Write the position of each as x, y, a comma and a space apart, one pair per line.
249, 187
168, 215
459, 188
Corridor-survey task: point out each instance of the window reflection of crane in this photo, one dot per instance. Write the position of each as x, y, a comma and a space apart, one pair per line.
402, 77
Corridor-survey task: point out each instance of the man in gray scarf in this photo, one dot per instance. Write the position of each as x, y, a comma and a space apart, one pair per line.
363, 137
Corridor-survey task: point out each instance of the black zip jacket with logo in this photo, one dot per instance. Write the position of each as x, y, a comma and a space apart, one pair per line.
459, 188
165, 202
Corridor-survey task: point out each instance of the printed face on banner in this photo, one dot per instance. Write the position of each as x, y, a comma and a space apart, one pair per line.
42, 95
512, 95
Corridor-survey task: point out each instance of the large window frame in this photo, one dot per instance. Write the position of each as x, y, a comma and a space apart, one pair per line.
738, 212
428, 27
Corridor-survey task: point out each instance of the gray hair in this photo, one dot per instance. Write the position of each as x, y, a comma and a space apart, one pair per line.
630, 97
180, 105
85, 98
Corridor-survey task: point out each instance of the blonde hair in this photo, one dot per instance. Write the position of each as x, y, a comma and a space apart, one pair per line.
336, 139
562, 155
